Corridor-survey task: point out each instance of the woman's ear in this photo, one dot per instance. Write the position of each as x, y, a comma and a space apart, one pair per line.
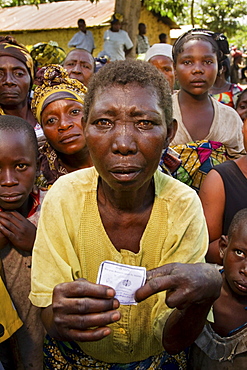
171, 132
223, 243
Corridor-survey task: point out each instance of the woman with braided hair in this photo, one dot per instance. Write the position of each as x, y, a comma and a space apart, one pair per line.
57, 105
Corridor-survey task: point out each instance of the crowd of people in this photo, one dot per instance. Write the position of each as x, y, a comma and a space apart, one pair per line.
122, 205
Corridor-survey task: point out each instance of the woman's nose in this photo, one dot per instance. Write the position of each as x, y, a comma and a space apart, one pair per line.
124, 141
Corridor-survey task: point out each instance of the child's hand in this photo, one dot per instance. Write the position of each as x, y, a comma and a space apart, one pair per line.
18, 230
3, 241
82, 310
185, 284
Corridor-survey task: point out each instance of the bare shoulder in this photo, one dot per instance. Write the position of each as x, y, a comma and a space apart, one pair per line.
212, 187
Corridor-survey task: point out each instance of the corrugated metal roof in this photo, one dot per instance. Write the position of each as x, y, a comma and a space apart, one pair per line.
56, 15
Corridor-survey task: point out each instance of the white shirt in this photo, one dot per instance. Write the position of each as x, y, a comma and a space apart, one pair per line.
115, 43
82, 40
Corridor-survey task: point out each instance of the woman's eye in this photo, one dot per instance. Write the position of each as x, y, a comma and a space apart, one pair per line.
146, 123
75, 112
19, 73
50, 121
21, 166
102, 122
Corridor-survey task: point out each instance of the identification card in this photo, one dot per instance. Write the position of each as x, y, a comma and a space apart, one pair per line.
125, 279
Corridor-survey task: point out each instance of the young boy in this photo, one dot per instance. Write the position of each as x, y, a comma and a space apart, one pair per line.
223, 344
19, 212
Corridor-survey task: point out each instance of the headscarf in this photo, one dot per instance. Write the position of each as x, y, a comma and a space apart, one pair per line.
9, 47
159, 49
56, 86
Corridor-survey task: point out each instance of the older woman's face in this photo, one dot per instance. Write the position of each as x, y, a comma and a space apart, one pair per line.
61, 123
79, 65
125, 134
165, 65
14, 82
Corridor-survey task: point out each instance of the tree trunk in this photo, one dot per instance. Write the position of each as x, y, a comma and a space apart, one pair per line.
131, 10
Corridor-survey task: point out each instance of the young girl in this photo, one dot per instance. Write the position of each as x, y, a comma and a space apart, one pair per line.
223, 344
208, 132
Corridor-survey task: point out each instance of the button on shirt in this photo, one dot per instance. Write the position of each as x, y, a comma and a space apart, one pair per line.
115, 43
82, 40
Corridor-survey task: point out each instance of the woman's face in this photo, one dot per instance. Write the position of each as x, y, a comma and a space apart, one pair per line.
125, 134
165, 65
14, 82
61, 123
79, 65
196, 67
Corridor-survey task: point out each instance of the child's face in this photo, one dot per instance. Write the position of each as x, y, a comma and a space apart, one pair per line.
235, 260
242, 106
17, 169
196, 67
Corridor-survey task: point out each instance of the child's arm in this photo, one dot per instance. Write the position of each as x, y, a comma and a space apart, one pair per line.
212, 195
191, 289
18, 230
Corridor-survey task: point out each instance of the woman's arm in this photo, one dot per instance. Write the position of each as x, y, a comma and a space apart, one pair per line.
212, 195
191, 289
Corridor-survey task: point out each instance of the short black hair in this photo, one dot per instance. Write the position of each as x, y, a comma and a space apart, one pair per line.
16, 124
81, 21
238, 218
141, 25
126, 72
162, 36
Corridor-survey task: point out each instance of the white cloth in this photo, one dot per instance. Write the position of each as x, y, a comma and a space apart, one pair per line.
115, 43
82, 40
159, 49
226, 128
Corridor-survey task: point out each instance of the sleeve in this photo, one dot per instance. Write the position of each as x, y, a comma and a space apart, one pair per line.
92, 40
9, 319
128, 43
229, 130
73, 42
54, 258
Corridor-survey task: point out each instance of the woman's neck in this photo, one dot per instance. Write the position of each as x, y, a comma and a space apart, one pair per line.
76, 161
127, 201
187, 99
23, 111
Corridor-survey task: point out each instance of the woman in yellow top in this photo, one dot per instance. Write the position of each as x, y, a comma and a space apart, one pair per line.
126, 212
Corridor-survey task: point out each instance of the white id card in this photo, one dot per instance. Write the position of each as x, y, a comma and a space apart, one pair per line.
125, 279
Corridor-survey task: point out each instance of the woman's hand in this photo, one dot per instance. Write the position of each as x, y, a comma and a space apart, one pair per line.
191, 289
82, 311
185, 284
